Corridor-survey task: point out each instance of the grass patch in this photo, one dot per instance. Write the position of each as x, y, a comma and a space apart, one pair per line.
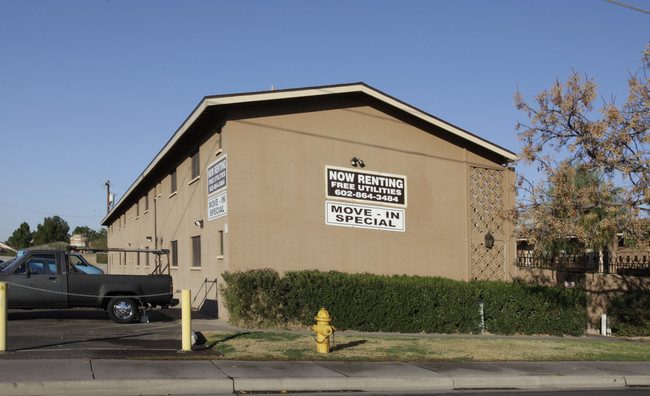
292, 346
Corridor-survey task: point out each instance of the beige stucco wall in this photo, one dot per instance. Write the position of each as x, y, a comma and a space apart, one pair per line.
276, 195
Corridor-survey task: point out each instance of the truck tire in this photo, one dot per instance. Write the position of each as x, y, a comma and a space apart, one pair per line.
122, 310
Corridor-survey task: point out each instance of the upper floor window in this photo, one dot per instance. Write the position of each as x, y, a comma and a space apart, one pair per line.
172, 177
196, 170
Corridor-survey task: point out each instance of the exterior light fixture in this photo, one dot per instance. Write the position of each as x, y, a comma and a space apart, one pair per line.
149, 238
199, 223
489, 240
356, 161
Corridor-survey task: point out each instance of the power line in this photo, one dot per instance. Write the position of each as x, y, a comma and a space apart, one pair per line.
628, 6
47, 213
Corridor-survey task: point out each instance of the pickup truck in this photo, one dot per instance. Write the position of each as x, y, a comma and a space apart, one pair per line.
45, 279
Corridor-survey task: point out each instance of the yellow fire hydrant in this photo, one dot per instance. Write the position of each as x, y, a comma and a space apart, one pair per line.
323, 331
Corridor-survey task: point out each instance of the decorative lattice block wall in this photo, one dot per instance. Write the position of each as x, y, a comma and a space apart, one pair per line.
486, 200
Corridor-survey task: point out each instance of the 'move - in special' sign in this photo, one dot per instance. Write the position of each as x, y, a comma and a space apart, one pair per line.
364, 216
217, 175
218, 206
344, 183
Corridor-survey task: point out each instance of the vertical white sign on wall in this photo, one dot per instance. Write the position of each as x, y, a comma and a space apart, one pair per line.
217, 172
217, 181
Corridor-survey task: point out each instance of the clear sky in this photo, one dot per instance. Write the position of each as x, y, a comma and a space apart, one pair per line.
91, 90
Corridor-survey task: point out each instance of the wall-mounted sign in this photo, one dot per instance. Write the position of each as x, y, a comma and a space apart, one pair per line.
217, 206
344, 183
217, 175
364, 216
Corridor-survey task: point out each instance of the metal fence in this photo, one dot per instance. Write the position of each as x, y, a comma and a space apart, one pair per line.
634, 264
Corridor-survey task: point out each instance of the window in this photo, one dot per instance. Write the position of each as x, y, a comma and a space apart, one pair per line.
146, 202
172, 177
39, 264
220, 243
137, 209
196, 251
174, 250
195, 165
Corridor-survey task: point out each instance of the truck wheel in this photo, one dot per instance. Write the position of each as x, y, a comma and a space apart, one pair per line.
122, 310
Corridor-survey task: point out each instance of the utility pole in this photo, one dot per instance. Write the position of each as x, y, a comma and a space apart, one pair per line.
108, 196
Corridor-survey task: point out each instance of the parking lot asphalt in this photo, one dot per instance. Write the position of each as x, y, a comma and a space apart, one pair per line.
81, 352
89, 334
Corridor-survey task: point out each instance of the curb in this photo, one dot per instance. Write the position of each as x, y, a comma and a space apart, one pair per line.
343, 384
538, 382
637, 380
189, 386
122, 387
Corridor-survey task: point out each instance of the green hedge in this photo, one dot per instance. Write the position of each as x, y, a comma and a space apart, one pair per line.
406, 304
630, 314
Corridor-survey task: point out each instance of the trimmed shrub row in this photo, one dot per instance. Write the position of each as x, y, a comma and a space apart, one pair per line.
400, 303
630, 314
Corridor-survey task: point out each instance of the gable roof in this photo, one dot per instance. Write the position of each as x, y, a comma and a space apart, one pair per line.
215, 102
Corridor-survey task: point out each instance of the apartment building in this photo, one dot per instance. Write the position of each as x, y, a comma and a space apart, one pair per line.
341, 177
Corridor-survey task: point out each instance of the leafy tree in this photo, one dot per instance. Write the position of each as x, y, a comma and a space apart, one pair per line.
611, 143
84, 230
21, 237
53, 229
96, 239
99, 239
569, 210
91, 234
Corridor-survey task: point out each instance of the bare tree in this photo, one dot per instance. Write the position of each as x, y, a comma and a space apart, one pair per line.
565, 132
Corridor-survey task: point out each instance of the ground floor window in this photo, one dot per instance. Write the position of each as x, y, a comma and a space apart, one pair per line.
174, 254
196, 251
220, 244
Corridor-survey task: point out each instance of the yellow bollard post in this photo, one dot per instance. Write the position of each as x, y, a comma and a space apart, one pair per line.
3, 316
186, 319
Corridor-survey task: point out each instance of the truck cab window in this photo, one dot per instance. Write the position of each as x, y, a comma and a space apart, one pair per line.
39, 264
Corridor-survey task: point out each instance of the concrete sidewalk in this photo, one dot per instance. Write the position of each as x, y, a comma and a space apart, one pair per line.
139, 377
